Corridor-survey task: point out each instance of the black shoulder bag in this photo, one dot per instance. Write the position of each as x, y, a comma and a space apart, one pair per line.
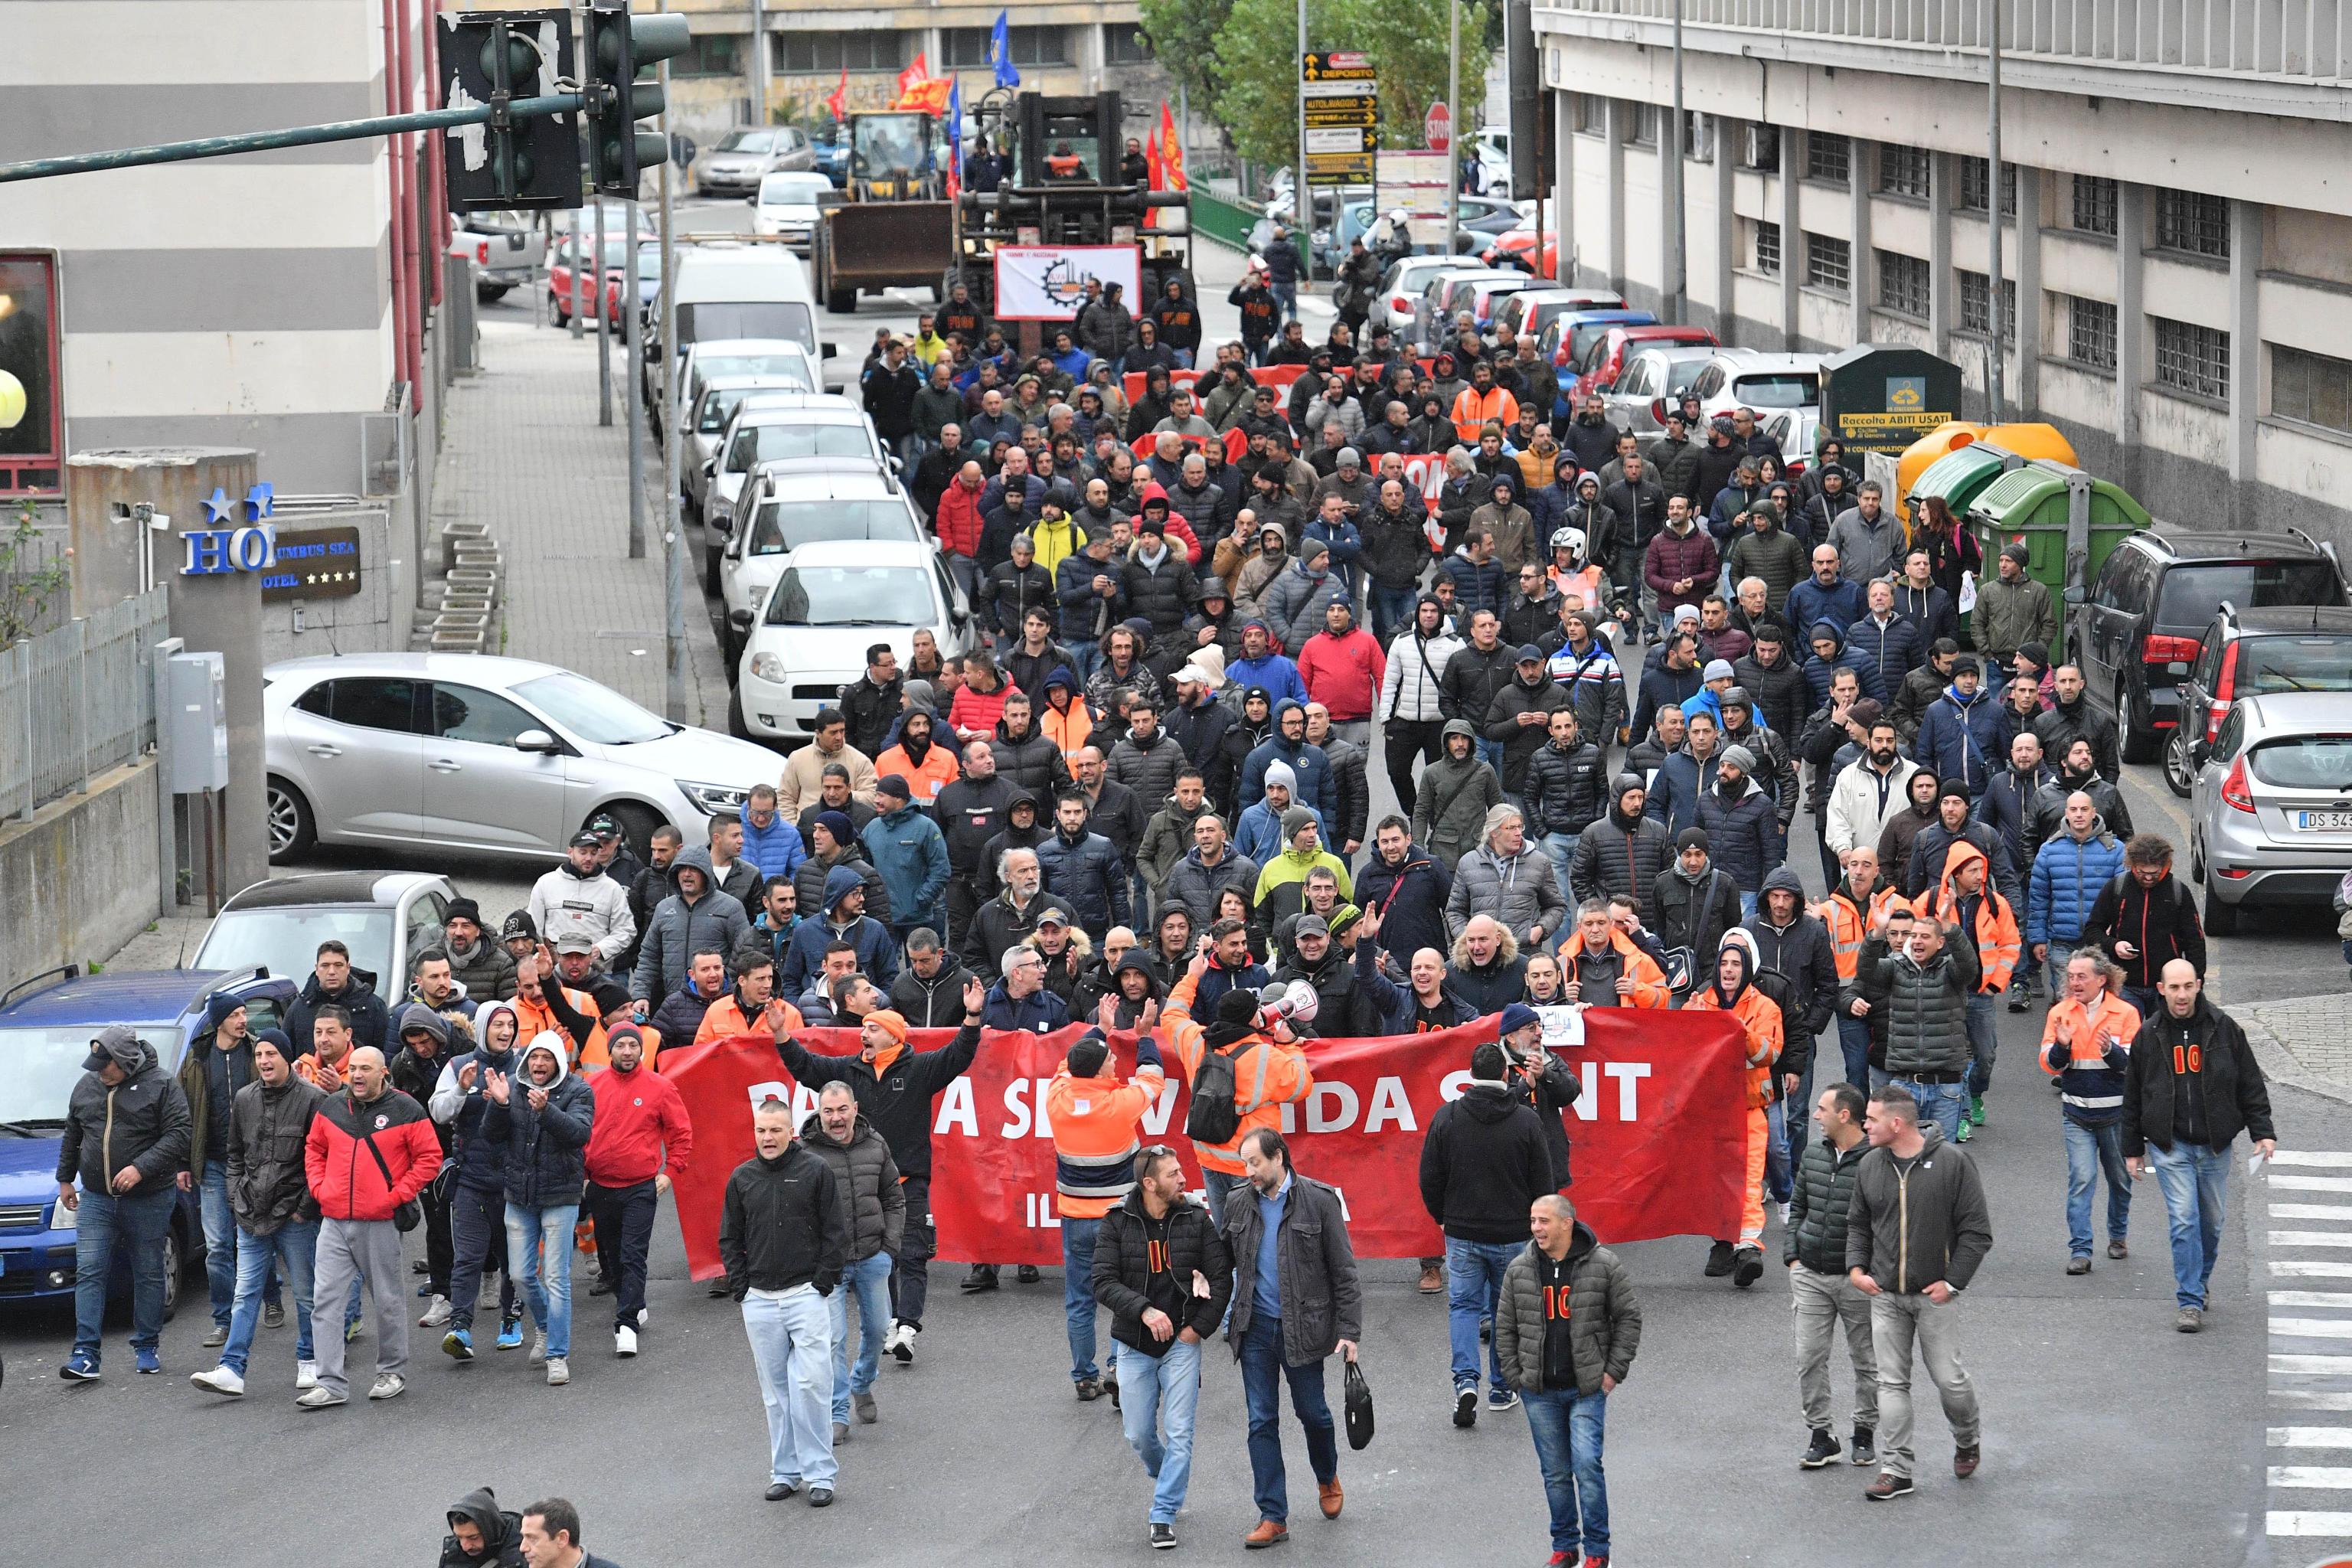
408, 1215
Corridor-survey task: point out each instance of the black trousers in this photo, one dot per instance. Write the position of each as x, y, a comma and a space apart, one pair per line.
963, 903
1407, 740
910, 1271
440, 1254
624, 1219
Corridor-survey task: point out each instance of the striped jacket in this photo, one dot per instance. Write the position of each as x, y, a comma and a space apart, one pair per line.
2088, 1051
1849, 923
1094, 1122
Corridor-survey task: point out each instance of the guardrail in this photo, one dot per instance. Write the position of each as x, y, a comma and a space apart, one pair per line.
1224, 219
78, 700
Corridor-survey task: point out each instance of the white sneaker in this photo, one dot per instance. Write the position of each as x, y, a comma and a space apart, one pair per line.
624, 1342
306, 1375
1784, 1214
320, 1399
538, 1346
900, 1342
389, 1385
220, 1380
436, 1315
559, 1371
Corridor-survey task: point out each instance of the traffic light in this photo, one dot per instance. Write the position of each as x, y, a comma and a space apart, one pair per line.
497, 56
619, 45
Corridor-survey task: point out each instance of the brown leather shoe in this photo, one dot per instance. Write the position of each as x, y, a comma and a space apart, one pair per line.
1267, 1533
1333, 1497
2116, 1249
1433, 1280
1965, 1461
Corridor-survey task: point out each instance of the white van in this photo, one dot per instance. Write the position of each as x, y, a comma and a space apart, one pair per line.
738, 289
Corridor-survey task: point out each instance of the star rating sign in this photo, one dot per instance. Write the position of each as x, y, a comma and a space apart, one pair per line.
218, 508
260, 501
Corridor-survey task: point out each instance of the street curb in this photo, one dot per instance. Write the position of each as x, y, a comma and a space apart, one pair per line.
2280, 1065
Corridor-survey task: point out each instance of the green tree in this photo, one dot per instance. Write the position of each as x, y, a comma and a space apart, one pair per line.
1406, 40
1183, 35
1258, 51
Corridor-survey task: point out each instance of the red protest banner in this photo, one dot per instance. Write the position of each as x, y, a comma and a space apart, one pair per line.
1657, 1133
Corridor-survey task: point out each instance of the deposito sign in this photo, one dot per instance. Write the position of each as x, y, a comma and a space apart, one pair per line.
1657, 1133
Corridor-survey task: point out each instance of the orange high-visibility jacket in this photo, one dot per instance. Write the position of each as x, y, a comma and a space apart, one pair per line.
1996, 927
1650, 988
1095, 1121
1760, 1017
1849, 926
1267, 1076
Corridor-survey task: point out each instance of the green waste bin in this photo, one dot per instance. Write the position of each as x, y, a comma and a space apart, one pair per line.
1960, 476
2044, 503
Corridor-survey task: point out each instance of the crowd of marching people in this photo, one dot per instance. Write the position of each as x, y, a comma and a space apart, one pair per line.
1604, 677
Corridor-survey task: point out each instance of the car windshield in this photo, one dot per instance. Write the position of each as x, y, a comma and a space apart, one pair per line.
792, 190
1581, 338
1784, 389
790, 367
749, 141
719, 407
774, 443
286, 941
851, 597
595, 713
782, 526
40, 1065
2295, 664
888, 145
2191, 593
649, 262
2313, 762
747, 318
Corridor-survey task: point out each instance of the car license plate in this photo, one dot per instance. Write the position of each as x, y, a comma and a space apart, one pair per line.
2324, 821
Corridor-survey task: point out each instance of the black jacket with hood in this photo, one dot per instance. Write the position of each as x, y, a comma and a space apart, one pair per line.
141, 1121
1484, 1160
547, 1148
501, 1533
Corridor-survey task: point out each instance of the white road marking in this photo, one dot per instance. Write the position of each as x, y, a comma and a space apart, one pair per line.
2311, 1298
2312, 1365
2311, 1238
2312, 1211
2290, 1522
2291, 1269
2335, 1477
2311, 1437
2312, 1398
2313, 1183
2325, 1157
2312, 1327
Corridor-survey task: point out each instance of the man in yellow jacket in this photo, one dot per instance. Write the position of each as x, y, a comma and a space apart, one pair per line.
1095, 1118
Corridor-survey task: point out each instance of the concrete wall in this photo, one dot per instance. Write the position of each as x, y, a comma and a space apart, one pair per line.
83, 876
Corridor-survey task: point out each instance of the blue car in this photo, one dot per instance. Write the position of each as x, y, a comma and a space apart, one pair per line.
1568, 338
46, 1027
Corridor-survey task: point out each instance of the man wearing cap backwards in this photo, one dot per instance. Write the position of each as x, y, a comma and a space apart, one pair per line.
1095, 1119
127, 1139
895, 1088
640, 1141
578, 896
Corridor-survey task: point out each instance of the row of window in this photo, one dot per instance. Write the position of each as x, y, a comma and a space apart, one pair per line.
886, 49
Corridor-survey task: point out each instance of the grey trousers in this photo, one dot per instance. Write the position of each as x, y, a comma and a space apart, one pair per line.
347, 1249
1822, 1302
1896, 1323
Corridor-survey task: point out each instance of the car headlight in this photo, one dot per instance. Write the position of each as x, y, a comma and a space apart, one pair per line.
768, 667
710, 799
64, 1218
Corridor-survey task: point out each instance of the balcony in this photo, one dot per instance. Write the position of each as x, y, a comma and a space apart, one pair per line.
2269, 57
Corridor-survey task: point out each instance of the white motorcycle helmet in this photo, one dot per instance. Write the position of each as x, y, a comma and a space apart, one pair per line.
1573, 541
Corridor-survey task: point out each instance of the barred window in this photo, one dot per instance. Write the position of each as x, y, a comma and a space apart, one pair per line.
1828, 157
2094, 204
1767, 248
2193, 222
1903, 171
1763, 147
1641, 123
1125, 44
2091, 332
967, 47
712, 54
1829, 262
1902, 283
1976, 305
2313, 388
870, 50
2191, 359
1975, 181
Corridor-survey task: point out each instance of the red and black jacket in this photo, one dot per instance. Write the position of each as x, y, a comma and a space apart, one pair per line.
345, 1180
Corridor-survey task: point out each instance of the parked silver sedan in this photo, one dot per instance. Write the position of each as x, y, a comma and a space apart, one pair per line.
498, 756
2270, 813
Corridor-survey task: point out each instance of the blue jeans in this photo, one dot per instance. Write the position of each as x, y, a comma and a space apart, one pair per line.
1286, 296
1562, 848
1152, 1389
871, 1282
1473, 1280
1391, 608
1263, 1372
2089, 1150
1216, 1184
1083, 658
1983, 1042
1746, 908
539, 1251
294, 1246
220, 1243
1940, 1103
1566, 1427
141, 1219
792, 1347
1491, 753
2196, 1182
1078, 1294
2061, 954
1780, 1150
1853, 1044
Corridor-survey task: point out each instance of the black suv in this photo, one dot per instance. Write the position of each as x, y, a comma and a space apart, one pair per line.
2145, 619
2253, 653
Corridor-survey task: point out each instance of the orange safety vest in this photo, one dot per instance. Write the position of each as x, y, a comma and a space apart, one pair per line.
1849, 927
1094, 1122
938, 771
1760, 1017
1473, 411
2070, 1021
1650, 987
724, 1018
532, 1017
1267, 1078
1996, 924
1068, 728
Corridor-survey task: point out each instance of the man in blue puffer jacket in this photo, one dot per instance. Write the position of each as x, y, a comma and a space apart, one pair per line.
1963, 734
844, 919
2070, 871
769, 843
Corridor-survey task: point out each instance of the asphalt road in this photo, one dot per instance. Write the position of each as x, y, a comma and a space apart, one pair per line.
2108, 1439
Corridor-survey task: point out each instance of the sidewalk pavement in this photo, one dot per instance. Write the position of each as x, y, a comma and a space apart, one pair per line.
2305, 1041
523, 453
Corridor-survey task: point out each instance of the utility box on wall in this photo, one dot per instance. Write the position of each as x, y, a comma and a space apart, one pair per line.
197, 685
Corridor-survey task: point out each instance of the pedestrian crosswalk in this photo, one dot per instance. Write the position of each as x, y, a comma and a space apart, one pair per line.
2308, 1290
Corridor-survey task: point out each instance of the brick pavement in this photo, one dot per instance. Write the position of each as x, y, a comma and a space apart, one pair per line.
523, 453
2305, 1039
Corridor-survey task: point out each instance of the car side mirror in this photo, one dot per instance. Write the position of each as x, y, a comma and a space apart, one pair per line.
718, 523
2073, 594
828, 351
538, 741
739, 619
709, 466
2199, 750
898, 465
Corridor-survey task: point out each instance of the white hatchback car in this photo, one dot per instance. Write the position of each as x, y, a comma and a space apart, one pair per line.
770, 426
833, 600
704, 427
787, 207
799, 501
496, 756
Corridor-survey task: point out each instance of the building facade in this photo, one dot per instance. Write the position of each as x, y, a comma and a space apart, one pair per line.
2174, 207
1058, 49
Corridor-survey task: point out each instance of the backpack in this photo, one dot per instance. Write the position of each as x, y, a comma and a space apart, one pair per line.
1213, 1118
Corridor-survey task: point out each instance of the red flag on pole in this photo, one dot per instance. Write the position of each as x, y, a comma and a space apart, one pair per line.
913, 75
839, 103
1172, 153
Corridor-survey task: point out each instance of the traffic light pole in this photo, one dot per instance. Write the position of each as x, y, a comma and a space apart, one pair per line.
631, 360
603, 330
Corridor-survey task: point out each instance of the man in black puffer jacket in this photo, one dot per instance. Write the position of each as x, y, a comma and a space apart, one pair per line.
1566, 791
1621, 853
876, 1205
1812, 1245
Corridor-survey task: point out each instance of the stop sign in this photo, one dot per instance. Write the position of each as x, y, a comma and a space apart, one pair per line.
1438, 128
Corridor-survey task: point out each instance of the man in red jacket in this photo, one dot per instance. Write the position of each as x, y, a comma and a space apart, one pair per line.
371, 1150
638, 1144
958, 523
1343, 668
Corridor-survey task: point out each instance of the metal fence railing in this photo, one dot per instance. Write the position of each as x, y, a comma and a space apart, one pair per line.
1224, 219
77, 701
